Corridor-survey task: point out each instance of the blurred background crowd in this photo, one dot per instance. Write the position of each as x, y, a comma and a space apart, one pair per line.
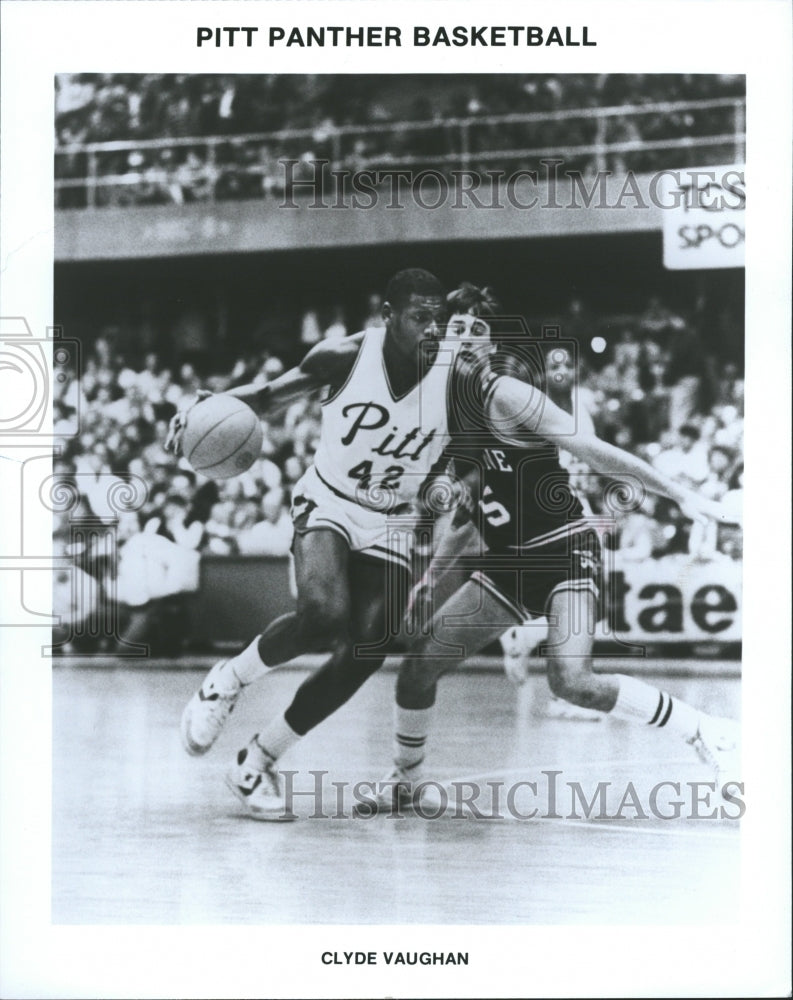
368, 122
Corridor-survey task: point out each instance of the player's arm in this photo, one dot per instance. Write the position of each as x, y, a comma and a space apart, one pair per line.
514, 409
444, 538
328, 363
451, 542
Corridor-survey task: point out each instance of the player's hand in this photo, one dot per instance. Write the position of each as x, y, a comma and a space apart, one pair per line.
702, 510
178, 422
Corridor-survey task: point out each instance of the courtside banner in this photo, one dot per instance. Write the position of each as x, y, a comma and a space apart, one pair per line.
676, 599
703, 224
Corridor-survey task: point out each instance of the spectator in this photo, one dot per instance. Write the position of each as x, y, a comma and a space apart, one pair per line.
219, 535
155, 454
720, 463
272, 536
729, 431
374, 316
337, 327
133, 405
641, 536
310, 332
172, 524
730, 536
686, 460
684, 375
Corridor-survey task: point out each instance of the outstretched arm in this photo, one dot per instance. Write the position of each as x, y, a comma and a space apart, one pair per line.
280, 392
515, 409
329, 363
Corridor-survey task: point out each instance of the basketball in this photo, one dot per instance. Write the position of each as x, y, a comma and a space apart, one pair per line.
223, 437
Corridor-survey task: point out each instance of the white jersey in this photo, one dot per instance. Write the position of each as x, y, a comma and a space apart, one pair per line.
375, 449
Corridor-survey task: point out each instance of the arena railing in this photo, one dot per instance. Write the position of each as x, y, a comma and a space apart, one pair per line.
451, 144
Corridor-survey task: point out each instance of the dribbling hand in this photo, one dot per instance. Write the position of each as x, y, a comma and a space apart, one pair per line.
178, 422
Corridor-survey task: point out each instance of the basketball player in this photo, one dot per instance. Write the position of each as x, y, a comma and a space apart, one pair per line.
386, 424
542, 559
517, 642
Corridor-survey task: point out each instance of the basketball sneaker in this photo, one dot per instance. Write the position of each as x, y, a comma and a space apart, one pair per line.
259, 789
401, 791
515, 658
208, 709
717, 744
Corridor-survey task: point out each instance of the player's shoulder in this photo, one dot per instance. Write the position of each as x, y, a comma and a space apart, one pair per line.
332, 360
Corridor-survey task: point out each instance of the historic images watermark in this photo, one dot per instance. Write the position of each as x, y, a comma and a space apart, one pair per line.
551, 795
317, 184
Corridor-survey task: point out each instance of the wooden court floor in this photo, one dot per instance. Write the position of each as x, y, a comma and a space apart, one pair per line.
144, 834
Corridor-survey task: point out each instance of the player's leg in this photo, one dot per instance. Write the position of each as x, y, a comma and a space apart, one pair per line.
517, 645
376, 603
321, 622
367, 623
568, 650
572, 616
468, 621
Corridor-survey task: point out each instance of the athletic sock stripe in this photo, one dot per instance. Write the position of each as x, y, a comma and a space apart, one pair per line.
658, 710
665, 719
411, 741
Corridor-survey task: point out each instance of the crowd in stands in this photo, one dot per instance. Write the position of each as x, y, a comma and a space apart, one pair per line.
310, 109
657, 392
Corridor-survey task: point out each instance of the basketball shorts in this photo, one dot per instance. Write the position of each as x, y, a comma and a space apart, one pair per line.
526, 579
372, 533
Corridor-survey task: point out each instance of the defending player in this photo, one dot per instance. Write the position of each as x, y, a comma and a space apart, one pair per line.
543, 559
517, 642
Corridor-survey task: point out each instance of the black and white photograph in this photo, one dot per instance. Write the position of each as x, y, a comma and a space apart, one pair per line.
394, 603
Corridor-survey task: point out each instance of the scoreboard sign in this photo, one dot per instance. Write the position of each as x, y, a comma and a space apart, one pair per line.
703, 217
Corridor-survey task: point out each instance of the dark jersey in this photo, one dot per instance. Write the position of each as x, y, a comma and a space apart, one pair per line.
538, 540
525, 494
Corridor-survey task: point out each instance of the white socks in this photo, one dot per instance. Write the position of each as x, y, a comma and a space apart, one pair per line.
275, 739
641, 702
247, 666
411, 726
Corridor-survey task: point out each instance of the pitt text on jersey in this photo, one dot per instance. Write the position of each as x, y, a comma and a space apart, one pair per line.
381, 416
